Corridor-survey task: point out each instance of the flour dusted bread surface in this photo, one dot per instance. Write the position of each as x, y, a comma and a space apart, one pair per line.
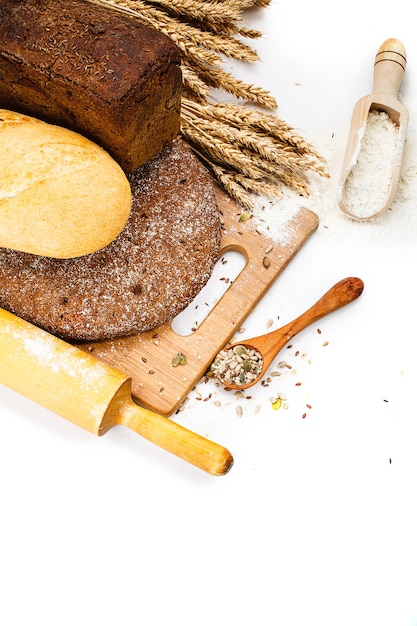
89, 68
148, 274
56, 187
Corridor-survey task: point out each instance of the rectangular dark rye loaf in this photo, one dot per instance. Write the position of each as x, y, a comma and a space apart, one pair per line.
94, 70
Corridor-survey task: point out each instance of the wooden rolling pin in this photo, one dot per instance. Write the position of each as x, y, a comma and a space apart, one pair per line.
86, 391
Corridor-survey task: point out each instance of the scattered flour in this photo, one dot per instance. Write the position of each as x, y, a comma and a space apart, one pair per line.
397, 219
273, 216
49, 355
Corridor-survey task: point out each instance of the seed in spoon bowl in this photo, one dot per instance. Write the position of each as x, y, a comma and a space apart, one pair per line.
237, 366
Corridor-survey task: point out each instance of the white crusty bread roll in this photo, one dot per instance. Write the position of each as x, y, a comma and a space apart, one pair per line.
61, 195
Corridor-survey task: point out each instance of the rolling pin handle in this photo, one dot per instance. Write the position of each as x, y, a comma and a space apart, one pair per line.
167, 434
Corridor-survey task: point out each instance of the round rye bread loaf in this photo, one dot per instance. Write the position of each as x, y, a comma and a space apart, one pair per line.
142, 279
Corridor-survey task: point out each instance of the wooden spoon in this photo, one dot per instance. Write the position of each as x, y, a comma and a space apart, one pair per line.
92, 394
390, 63
270, 344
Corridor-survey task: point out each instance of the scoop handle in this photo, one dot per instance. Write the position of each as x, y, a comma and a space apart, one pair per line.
390, 63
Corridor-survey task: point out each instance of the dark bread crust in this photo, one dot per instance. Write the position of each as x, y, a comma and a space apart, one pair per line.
83, 66
145, 277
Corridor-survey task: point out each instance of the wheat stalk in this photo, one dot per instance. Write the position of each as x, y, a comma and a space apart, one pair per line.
219, 79
248, 150
245, 150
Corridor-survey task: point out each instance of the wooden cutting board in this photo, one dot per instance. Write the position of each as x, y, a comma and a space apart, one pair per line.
148, 358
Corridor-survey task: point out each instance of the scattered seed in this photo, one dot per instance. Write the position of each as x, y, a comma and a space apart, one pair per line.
269, 323
325, 343
239, 411
276, 404
266, 262
268, 249
179, 359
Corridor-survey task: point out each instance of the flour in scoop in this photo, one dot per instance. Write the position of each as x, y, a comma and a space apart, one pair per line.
368, 183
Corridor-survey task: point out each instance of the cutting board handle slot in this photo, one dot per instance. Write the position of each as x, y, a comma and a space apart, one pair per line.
229, 267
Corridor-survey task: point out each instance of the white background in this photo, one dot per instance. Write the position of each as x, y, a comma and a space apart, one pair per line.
316, 523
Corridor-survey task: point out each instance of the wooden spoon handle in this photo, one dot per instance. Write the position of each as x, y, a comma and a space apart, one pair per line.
390, 62
341, 293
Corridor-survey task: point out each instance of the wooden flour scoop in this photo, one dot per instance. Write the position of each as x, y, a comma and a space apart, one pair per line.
96, 396
378, 193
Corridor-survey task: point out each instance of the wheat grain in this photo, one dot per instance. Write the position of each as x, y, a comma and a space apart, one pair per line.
258, 142
237, 129
218, 17
193, 84
228, 181
237, 167
219, 79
